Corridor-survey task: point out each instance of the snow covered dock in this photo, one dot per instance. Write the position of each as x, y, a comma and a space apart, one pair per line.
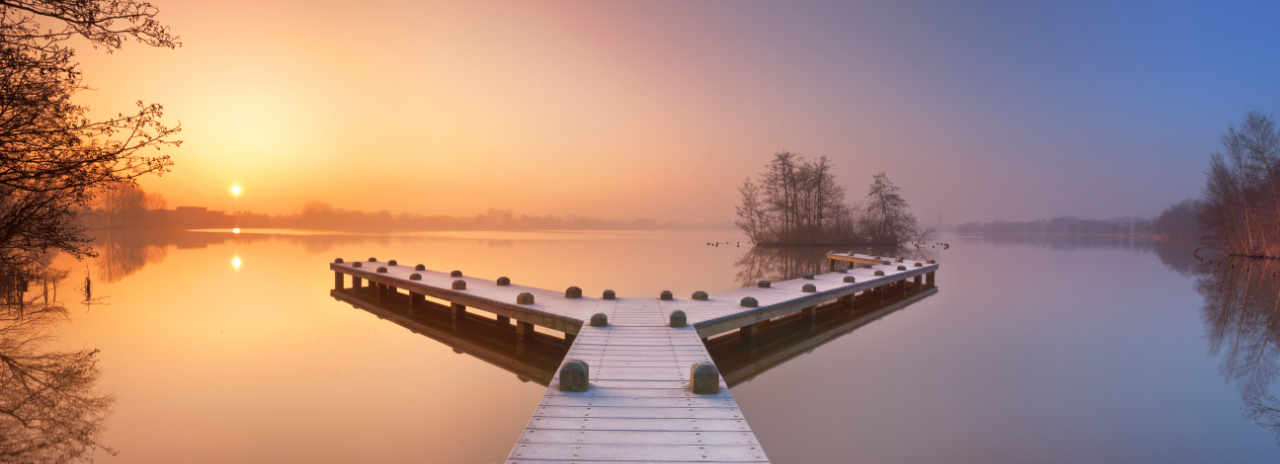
638, 384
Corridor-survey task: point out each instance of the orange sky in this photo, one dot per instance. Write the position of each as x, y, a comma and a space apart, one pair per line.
610, 110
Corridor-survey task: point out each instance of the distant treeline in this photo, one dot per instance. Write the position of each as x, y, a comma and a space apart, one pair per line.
126, 206
1060, 226
796, 201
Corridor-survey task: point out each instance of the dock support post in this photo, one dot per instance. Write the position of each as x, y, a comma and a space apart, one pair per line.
524, 331
416, 301
569, 338
928, 278
356, 282
748, 335
811, 315
382, 291
504, 321
337, 280
459, 311
918, 279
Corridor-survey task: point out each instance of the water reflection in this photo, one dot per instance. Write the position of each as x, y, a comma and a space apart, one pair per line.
784, 339
1069, 241
780, 263
49, 408
535, 358
122, 253
1242, 321
1241, 311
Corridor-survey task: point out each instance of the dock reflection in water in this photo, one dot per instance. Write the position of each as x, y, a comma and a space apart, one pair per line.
786, 338
534, 358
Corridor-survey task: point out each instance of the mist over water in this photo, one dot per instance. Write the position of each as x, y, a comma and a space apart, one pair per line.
228, 347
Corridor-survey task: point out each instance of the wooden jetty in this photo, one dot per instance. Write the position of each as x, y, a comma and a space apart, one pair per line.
637, 383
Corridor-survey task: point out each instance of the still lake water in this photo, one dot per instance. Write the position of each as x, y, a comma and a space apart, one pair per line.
228, 348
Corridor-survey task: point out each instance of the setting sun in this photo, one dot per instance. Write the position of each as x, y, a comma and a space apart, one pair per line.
236, 190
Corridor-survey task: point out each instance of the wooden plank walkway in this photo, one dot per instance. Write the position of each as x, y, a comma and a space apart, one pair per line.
639, 406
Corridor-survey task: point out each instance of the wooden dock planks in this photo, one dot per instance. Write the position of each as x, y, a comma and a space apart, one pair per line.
639, 407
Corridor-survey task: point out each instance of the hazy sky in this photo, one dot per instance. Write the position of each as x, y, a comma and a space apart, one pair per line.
660, 109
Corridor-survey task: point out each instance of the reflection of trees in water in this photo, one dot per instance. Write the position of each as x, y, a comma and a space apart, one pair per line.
1242, 317
780, 263
122, 254
1180, 257
49, 411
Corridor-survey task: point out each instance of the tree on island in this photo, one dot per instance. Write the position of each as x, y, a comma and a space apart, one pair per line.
887, 219
796, 201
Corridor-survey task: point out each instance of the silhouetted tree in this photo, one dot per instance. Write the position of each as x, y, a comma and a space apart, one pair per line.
1242, 195
887, 218
52, 156
795, 201
1180, 223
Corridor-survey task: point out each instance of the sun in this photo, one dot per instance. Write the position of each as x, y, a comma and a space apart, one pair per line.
236, 190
